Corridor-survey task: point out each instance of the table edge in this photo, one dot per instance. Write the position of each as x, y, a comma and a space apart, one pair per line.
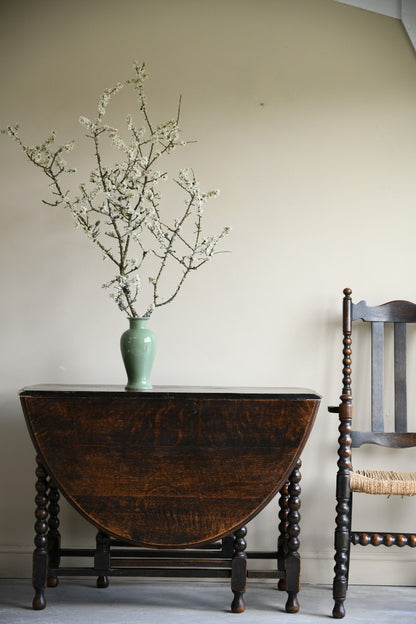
168, 391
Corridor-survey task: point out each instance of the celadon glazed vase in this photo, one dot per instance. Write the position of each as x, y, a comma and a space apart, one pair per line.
138, 347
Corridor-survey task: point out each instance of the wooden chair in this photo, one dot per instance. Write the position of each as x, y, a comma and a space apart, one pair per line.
398, 313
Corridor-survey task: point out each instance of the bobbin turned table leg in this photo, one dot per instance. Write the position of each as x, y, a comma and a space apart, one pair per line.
54, 537
292, 564
283, 539
239, 571
40, 555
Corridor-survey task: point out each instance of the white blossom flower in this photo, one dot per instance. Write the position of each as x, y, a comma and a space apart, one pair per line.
119, 206
85, 122
105, 99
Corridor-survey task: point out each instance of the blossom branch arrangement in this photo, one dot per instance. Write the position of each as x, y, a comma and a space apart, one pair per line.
119, 208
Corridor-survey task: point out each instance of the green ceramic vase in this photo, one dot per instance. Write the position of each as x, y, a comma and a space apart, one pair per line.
138, 347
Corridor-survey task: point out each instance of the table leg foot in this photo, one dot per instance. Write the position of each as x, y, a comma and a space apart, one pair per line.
292, 604
238, 605
102, 582
52, 581
39, 601
339, 610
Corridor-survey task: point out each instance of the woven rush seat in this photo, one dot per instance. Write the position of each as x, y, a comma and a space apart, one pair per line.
383, 482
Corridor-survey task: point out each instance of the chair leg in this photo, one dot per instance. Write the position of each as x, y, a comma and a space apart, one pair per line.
349, 539
292, 563
342, 546
40, 555
239, 571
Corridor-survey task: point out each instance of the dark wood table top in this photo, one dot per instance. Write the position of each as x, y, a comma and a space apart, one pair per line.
81, 389
173, 466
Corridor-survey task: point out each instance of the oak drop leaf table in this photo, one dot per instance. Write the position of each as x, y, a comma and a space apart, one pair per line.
169, 477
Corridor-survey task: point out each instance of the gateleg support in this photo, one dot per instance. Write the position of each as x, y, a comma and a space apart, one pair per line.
292, 563
40, 555
239, 571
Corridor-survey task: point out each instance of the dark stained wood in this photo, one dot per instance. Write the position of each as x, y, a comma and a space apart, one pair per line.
147, 467
171, 468
40, 555
54, 537
344, 410
167, 391
239, 571
399, 313
292, 559
383, 539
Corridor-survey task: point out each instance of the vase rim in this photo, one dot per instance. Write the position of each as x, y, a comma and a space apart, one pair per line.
138, 318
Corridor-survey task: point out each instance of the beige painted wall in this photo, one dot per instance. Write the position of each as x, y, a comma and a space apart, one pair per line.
304, 115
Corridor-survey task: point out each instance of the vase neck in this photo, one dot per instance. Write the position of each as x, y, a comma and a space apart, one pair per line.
138, 321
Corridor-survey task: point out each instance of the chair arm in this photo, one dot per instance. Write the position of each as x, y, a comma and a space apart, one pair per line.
334, 409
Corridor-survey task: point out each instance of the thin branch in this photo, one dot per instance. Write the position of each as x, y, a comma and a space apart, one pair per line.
130, 206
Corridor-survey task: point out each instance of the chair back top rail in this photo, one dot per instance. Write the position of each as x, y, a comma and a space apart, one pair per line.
392, 312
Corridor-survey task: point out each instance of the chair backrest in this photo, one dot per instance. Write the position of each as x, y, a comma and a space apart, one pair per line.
399, 314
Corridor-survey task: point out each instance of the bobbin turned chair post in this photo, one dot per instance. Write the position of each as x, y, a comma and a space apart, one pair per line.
398, 313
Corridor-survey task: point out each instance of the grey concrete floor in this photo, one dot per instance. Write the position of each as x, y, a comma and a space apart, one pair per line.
135, 601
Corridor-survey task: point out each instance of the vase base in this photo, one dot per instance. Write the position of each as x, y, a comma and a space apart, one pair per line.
138, 388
